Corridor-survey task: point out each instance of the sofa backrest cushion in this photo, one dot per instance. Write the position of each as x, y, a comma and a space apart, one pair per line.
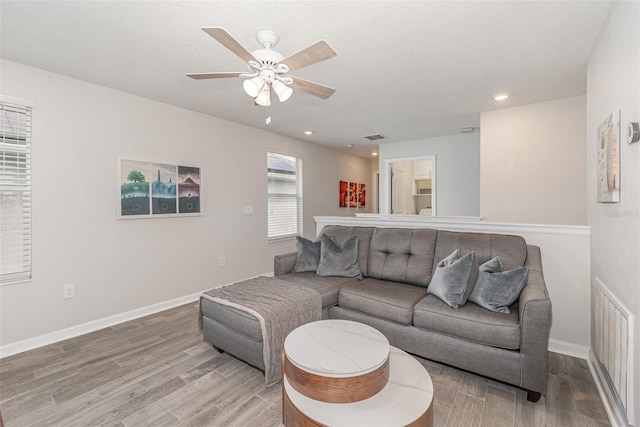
341, 233
512, 250
402, 255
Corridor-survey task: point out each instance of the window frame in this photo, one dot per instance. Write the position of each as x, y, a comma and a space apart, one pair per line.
298, 196
16, 180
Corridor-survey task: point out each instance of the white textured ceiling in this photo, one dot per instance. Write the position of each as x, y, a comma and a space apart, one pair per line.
407, 69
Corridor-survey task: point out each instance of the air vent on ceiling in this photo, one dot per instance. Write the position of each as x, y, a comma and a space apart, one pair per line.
375, 137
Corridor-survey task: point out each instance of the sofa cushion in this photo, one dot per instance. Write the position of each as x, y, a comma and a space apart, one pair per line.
327, 287
470, 322
308, 255
512, 250
389, 300
339, 260
496, 289
341, 233
402, 255
454, 278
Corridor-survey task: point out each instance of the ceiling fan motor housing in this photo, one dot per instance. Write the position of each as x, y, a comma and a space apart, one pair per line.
268, 56
269, 64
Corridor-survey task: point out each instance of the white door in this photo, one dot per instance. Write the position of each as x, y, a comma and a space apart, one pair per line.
399, 193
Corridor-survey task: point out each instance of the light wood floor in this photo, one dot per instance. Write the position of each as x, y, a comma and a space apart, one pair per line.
157, 371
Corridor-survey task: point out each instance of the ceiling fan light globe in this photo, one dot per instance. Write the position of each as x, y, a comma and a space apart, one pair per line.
283, 91
264, 97
253, 86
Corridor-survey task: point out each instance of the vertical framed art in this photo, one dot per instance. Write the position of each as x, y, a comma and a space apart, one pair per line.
344, 194
361, 195
608, 158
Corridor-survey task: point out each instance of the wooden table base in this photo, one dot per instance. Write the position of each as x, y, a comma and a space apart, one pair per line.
337, 389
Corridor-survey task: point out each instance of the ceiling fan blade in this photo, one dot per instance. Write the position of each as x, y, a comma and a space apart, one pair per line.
311, 88
230, 43
310, 55
200, 76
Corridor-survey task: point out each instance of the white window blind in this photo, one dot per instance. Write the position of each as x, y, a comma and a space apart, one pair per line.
15, 192
284, 196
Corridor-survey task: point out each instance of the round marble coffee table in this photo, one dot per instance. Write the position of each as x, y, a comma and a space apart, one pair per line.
344, 373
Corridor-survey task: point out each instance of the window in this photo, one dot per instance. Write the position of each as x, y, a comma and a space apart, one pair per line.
284, 196
15, 191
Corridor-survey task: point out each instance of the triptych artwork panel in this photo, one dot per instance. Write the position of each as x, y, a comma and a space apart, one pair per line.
148, 189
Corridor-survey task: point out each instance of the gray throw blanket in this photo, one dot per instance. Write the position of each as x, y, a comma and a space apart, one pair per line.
279, 306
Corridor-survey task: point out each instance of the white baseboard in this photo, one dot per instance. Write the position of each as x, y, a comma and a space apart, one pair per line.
569, 349
94, 325
615, 411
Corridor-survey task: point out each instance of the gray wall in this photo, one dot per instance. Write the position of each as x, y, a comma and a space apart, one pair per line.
457, 171
533, 168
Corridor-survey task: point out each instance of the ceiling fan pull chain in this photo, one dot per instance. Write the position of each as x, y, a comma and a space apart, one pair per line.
268, 121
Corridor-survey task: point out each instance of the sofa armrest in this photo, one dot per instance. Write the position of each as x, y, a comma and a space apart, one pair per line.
535, 323
283, 264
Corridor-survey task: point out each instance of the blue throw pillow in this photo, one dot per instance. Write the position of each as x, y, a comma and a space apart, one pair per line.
495, 289
339, 260
308, 255
454, 278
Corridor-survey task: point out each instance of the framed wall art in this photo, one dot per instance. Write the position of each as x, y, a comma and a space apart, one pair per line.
608, 166
158, 190
352, 195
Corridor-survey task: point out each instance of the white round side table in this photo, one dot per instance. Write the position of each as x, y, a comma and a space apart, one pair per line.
344, 373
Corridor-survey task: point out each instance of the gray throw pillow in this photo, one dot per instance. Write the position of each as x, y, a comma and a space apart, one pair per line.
495, 289
454, 278
308, 256
339, 260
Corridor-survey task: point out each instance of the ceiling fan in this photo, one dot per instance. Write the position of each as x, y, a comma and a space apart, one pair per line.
268, 69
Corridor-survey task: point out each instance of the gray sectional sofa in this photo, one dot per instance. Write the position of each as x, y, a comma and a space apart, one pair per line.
397, 265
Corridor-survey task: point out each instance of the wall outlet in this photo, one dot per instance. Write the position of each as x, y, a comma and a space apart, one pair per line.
222, 261
69, 291
247, 210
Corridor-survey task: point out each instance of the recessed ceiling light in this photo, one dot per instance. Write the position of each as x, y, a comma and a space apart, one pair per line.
501, 96
308, 132
349, 145
374, 154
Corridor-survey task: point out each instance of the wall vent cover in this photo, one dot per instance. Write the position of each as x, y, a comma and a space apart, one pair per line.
614, 344
375, 137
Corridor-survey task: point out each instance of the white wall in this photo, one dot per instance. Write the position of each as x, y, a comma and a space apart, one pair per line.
613, 83
532, 163
79, 130
457, 171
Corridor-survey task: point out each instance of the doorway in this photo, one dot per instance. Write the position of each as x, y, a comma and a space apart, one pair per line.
411, 186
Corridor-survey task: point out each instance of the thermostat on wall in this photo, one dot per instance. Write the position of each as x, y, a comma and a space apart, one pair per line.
633, 132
